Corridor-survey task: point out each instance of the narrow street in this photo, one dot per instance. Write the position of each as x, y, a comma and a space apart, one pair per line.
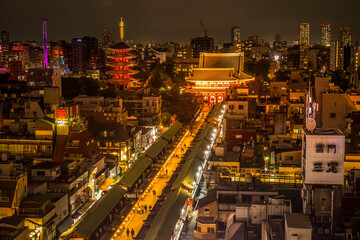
135, 219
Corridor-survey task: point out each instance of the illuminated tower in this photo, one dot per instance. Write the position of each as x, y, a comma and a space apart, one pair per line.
120, 61
325, 34
304, 33
45, 44
121, 25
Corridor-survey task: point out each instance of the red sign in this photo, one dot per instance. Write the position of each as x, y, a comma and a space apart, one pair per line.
61, 114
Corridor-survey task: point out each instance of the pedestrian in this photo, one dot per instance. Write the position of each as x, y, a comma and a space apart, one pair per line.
166, 172
132, 232
145, 207
154, 192
149, 207
142, 210
127, 232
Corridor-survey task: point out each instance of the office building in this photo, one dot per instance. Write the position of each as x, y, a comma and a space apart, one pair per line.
325, 34
201, 45
82, 51
304, 33
235, 35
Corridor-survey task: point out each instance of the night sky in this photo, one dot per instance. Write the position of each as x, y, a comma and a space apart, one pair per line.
176, 20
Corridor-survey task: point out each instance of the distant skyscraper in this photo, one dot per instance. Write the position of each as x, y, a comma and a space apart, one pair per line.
304, 33
277, 38
5, 38
235, 35
325, 34
345, 36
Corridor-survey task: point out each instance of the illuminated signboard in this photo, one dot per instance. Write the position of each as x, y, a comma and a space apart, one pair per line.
323, 159
61, 115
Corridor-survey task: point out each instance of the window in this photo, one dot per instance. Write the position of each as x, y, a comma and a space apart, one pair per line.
238, 136
332, 115
40, 173
206, 212
199, 229
241, 107
210, 230
231, 106
289, 158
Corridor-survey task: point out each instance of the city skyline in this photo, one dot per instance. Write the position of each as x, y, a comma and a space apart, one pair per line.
179, 21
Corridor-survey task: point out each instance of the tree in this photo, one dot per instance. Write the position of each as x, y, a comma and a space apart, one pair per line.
282, 76
260, 68
159, 79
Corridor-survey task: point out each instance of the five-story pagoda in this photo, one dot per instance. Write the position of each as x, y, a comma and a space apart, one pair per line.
119, 58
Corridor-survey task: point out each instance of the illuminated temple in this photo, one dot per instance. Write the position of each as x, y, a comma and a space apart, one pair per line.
216, 72
120, 60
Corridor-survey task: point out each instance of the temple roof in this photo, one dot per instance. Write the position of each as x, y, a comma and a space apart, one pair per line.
217, 74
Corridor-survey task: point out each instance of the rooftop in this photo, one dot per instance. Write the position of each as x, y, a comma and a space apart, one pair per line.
46, 165
297, 220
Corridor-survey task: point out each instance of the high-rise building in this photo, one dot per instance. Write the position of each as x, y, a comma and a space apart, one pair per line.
345, 36
201, 44
5, 38
336, 55
82, 49
304, 57
325, 34
235, 35
277, 38
304, 33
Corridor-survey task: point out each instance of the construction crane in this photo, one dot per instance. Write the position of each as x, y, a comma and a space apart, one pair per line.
205, 30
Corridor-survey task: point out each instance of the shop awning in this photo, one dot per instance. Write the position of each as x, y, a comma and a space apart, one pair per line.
164, 223
171, 132
133, 174
156, 148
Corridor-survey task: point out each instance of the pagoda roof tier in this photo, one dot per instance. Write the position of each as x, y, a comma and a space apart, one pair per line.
116, 56
116, 80
121, 64
129, 71
120, 46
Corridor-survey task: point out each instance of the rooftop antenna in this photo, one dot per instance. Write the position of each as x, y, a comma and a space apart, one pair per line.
45, 43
